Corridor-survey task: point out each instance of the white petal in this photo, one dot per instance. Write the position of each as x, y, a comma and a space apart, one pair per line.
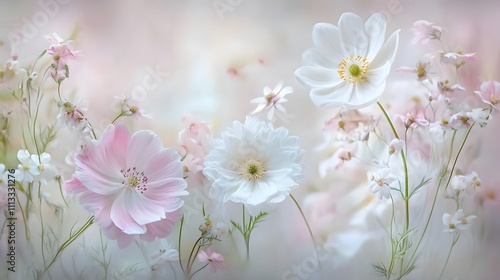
363, 95
378, 75
313, 77
375, 30
326, 37
387, 52
335, 96
317, 57
352, 34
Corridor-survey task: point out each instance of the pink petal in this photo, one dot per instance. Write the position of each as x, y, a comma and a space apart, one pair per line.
120, 216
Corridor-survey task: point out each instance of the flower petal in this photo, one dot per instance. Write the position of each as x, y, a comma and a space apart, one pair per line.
326, 37
378, 75
375, 30
120, 216
313, 77
144, 145
387, 52
335, 96
319, 58
352, 34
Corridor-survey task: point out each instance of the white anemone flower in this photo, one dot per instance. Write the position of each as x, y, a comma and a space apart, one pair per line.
348, 64
253, 164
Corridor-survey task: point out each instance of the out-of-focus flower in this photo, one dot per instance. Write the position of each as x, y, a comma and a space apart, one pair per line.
132, 184
129, 106
423, 31
456, 58
335, 161
254, 164
458, 221
350, 126
163, 256
27, 170
61, 51
71, 115
413, 119
422, 70
349, 64
396, 146
272, 99
215, 260
381, 181
14, 65
194, 144
489, 93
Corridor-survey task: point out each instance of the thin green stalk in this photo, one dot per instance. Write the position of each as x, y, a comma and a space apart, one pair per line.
308, 229
455, 239
179, 245
70, 240
435, 197
191, 276
393, 251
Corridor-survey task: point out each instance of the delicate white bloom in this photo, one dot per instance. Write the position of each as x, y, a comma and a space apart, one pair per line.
45, 170
27, 170
381, 181
14, 65
129, 106
349, 64
458, 221
421, 70
456, 58
423, 31
396, 146
72, 115
272, 99
462, 182
254, 164
480, 116
163, 256
461, 120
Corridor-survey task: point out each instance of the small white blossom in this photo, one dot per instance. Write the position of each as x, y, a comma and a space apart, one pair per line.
396, 146
381, 181
272, 99
457, 222
27, 170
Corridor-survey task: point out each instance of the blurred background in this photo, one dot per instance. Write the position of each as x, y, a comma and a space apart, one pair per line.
209, 58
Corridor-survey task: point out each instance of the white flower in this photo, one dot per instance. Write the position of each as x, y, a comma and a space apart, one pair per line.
272, 99
27, 170
163, 256
46, 171
254, 164
458, 221
381, 181
349, 63
396, 146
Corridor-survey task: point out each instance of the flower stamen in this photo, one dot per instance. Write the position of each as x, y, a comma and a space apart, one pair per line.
134, 179
252, 169
353, 69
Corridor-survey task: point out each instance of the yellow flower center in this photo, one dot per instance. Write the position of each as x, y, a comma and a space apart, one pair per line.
353, 69
252, 169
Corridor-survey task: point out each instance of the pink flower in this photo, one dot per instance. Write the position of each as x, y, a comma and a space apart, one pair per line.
423, 31
130, 183
489, 93
413, 119
216, 260
422, 70
335, 161
457, 58
62, 52
194, 143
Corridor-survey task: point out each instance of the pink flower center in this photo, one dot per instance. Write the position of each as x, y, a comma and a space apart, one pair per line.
134, 179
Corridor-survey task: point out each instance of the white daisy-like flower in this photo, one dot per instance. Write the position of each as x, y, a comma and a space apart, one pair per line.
458, 221
45, 169
254, 164
27, 170
273, 98
381, 181
349, 64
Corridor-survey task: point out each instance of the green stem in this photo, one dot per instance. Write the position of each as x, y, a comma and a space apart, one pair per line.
455, 239
70, 240
179, 245
117, 117
308, 229
191, 276
435, 197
